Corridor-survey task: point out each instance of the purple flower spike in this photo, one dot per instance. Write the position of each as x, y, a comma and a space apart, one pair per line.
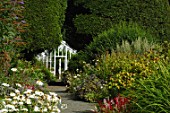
21, 2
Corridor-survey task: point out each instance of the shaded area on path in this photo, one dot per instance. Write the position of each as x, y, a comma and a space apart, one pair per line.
73, 105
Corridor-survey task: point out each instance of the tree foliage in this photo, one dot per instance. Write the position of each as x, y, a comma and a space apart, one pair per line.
100, 15
45, 18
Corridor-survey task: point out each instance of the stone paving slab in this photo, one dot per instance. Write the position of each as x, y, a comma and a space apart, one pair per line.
73, 105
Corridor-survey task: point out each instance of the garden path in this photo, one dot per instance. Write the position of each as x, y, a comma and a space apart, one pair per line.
73, 105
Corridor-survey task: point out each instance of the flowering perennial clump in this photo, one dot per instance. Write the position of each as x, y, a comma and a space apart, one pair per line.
115, 105
29, 101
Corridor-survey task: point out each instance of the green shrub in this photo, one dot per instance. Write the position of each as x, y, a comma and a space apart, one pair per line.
86, 85
108, 40
127, 68
76, 61
114, 72
152, 95
28, 73
11, 27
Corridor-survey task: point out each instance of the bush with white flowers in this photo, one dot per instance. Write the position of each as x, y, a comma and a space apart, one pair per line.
26, 100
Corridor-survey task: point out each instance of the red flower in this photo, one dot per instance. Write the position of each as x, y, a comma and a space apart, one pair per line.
116, 104
29, 87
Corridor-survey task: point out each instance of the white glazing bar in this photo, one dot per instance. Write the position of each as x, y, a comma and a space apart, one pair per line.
54, 62
50, 61
59, 70
47, 59
65, 62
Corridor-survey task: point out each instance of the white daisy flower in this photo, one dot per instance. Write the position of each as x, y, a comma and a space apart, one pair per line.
55, 108
39, 93
28, 91
20, 103
55, 99
14, 102
14, 69
32, 96
12, 94
4, 111
39, 83
9, 106
5, 84
36, 109
18, 85
17, 91
28, 101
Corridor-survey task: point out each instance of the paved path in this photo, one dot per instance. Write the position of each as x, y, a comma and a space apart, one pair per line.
73, 105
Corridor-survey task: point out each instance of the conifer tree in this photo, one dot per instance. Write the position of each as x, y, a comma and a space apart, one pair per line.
45, 18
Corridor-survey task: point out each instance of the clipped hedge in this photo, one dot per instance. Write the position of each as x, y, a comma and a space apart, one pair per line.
45, 18
150, 14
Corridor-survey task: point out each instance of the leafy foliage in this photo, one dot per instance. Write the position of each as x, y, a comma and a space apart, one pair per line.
28, 73
98, 24
114, 73
11, 26
110, 39
45, 20
113, 105
107, 40
152, 94
150, 14
86, 85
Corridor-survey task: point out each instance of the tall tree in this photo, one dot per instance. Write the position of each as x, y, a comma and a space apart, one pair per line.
100, 15
45, 18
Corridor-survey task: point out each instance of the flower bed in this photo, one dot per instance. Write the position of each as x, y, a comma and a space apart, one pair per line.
19, 99
114, 105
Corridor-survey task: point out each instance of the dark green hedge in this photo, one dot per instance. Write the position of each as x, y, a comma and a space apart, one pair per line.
45, 18
92, 24
151, 14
